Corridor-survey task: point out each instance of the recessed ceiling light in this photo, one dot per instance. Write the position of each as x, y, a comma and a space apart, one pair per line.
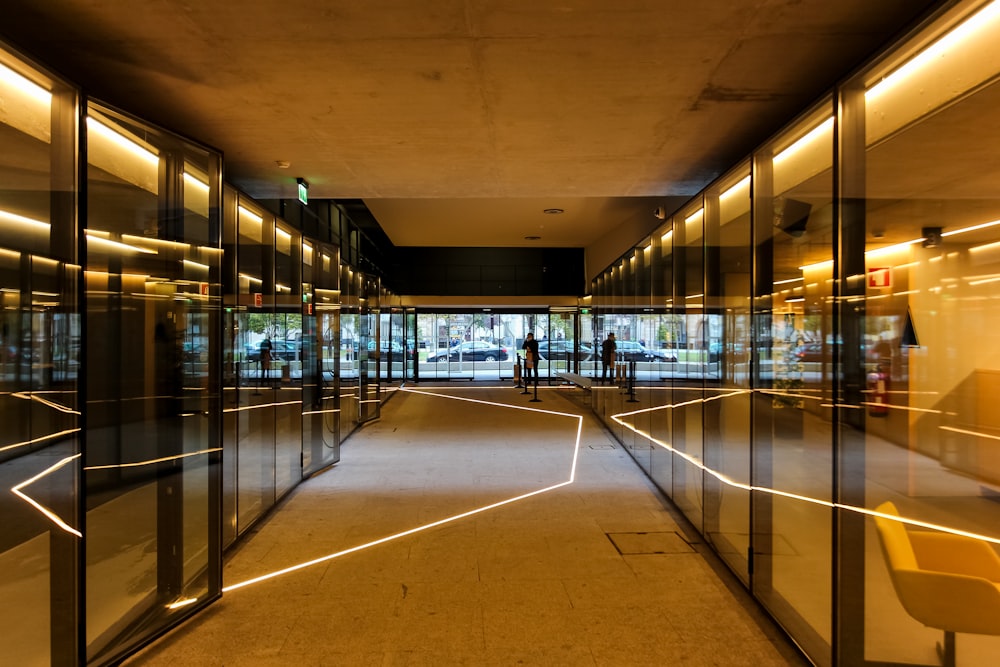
553, 211
283, 164
532, 238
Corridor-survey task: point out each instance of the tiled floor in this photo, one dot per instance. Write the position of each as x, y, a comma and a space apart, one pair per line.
520, 545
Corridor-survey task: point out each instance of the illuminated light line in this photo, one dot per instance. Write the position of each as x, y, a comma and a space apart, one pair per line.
181, 603
320, 412
973, 228
901, 407
949, 43
446, 520
262, 405
41, 438
45, 401
164, 459
100, 240
795, 496
742, 183
120, 140
197, 265
24, 84
790, 280
38, 506
196, 182
967, 432
250, 214
40, 225
800, 143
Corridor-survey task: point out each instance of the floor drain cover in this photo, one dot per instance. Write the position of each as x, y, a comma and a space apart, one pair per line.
650, 543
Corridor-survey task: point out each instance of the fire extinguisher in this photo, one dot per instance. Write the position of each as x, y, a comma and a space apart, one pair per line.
878, 392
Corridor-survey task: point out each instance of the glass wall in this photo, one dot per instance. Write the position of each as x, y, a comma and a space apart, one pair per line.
40, 357
828, 423
152, 290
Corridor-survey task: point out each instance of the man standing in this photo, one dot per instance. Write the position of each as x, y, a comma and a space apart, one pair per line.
530, 348
608, 349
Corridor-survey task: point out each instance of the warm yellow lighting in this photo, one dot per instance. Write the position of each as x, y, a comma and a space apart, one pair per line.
252, 279
743, 184
181, 603
825, 265
813, 135
262, 405
120, 140
790, 280
282, 234
694, 217
44, 401
100, 239
195, 265
250, 214
694, 296
13, 218
24, 85
16, 490
41, 438
985, 247
985, 21
897, 247
666, 236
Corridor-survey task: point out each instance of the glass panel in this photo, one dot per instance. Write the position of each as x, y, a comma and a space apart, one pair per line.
727, 410
667, 331
320, 357
923, 140
39, 367
287, 362
258, 354
794, 452
349, 342
152, 274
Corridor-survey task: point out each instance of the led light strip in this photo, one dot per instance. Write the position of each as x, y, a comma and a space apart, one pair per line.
440, 522
38, 506
795, 496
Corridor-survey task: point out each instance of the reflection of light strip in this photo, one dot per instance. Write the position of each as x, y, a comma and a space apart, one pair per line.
899, 407
790, 280
809, 137
971, 229
794, 496
196, 182
666, 236
147, 462
250, 214
41, 438
892, 248
25, 85
282, 234
262, 405
694, 296
694, 217
744, 183
952, 40
97, 237
40, 225
964, 431
196, 265
440, 522
158, 242
41, 508
250, 278
817, 266
45, 401
181, 603
320, 412
987, 246
120, 140
984, 282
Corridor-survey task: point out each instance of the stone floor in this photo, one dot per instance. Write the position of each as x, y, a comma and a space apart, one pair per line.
461, 532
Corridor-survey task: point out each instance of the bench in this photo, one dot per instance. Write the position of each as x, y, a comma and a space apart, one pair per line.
577, 379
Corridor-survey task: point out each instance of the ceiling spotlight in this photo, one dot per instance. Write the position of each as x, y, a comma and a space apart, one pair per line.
532, 238
553, 211
283, 164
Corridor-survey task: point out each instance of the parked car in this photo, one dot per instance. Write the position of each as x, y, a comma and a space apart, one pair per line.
631, 350
386, 346
471, 350
285, 350
563, 349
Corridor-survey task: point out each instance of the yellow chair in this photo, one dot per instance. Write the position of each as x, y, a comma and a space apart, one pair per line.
945, 581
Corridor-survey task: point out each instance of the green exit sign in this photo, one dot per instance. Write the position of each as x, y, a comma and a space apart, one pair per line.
303, 190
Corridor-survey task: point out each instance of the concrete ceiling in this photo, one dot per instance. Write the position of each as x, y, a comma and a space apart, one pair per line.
459, 121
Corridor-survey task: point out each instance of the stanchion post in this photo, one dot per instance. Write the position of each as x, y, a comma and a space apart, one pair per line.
517, 372
633, 365
536, 399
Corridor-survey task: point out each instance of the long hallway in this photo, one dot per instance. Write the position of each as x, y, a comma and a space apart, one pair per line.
471, 526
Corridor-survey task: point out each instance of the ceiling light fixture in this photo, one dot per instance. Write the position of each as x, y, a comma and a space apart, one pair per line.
553, 211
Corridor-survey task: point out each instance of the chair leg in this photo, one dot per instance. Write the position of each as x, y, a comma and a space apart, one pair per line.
947, 652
